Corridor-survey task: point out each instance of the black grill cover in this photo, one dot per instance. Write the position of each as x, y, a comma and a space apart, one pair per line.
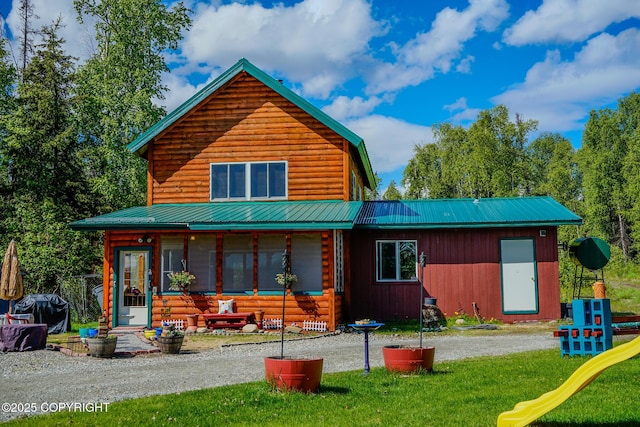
46, 308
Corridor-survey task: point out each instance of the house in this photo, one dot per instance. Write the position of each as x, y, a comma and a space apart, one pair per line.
246, 169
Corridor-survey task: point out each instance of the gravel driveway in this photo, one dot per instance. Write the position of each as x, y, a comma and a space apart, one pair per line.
40, 378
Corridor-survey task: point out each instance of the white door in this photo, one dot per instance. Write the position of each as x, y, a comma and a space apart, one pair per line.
133, 287
519, 282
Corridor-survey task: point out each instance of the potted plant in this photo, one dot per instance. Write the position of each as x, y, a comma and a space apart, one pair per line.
407, 359
288, 373
170, 340
103, 347
180, 280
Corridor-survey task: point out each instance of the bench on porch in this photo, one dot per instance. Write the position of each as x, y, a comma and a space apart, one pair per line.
228, 320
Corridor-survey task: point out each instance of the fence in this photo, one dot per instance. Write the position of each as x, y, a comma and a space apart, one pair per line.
314, 325
83, 293
307, 325
177, 323
272, 324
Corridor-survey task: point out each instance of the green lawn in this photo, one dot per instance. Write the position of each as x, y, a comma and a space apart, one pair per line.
461, 393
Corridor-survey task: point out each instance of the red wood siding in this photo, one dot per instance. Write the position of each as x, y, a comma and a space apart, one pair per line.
463, 267
245, 121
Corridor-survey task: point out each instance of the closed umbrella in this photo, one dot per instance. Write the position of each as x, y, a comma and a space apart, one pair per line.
11, 280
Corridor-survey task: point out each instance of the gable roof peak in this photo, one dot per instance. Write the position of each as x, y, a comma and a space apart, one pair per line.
139, 145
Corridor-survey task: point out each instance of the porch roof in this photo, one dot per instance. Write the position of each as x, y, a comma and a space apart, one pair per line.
465, 213
317, 215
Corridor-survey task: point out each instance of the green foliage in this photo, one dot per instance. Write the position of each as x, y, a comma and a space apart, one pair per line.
118, 87
392, 192
45, 186
487, 160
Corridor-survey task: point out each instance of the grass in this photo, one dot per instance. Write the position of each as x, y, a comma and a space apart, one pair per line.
469, 392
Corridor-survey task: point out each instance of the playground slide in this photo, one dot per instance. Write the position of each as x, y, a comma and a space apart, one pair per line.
526, 412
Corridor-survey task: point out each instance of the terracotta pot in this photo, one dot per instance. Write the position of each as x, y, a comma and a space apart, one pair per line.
102, 347
402, 359
192, 322
294, 374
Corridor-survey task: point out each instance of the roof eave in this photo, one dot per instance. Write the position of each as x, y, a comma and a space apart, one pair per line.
431, 226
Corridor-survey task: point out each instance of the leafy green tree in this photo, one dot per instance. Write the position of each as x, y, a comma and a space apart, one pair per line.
487, 160
118, 86
46, 189
629, 123
8, 80
554, 170
392, 192
601, 159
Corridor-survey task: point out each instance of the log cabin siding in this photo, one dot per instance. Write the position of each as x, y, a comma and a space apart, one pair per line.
463, 267
247, 122
299, 307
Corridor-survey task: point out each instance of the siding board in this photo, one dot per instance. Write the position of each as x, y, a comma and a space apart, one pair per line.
463, 267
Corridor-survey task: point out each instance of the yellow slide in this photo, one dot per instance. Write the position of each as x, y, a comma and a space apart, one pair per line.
526, 412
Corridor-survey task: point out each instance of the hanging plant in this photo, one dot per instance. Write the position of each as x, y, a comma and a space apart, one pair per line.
286, 279
180, 280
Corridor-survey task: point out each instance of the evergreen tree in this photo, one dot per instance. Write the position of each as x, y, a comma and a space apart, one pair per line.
46, 189
392, 192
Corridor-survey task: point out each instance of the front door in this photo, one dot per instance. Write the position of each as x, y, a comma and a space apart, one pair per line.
132, 286
519, 282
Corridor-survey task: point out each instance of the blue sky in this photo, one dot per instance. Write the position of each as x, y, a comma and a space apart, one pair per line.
390, 69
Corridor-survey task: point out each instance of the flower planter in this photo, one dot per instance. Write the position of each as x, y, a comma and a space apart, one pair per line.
294, 374
192, 322
403, 359
170, 345
102, 347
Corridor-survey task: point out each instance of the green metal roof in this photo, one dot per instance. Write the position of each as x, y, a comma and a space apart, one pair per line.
139, 145
465, 213
322, 215
335, 215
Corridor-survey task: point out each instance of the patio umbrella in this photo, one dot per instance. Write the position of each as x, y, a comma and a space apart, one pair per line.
11, 280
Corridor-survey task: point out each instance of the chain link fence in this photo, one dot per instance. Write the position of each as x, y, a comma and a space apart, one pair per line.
84, 295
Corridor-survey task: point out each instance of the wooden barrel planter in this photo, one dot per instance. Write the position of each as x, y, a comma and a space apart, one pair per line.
170, 345
102, 347
404, 359
294, 374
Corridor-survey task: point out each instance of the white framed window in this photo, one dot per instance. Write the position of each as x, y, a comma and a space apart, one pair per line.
249, 181
172, 254
396, 260
354, 186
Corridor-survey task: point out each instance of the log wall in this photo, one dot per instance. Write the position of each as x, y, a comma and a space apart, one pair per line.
245, 121
298, 307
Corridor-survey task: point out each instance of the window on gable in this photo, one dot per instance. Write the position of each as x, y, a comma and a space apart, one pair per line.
396, 260
264, 180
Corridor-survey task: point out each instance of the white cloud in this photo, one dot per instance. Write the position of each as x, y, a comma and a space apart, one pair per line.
315, 42
78, 39
438, 49
344, 108
560, 93
464, 114
389, 141
569, 20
